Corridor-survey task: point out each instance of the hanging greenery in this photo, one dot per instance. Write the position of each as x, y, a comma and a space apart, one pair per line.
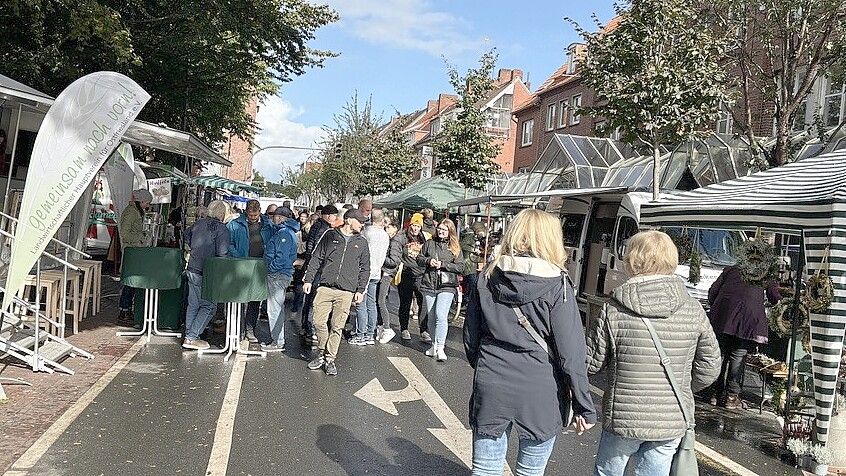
695, 274
684, 245
818, 293
757, 262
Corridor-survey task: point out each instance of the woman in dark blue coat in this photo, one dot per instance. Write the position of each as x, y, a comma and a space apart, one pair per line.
518, 385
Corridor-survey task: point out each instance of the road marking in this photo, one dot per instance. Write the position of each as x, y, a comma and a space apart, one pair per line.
704, 450
457, 438
27, 461
222, 446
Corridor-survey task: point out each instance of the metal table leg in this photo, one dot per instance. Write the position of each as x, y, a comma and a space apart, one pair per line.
151, 315
233, 335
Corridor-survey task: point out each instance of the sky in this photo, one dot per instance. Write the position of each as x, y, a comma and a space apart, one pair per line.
395, 50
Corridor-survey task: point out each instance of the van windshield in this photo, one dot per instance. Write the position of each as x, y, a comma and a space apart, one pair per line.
715, 246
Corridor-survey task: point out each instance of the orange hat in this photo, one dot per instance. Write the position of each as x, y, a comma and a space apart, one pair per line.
417, 219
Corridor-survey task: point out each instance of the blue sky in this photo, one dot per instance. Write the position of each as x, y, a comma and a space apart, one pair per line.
393, 49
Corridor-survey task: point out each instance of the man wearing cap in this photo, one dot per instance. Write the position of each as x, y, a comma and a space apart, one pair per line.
342, 259
328, 215
249, 233
207, 238
280, 253
132, 235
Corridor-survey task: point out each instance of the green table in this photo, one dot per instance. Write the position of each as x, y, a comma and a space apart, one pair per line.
154, 269
234, 281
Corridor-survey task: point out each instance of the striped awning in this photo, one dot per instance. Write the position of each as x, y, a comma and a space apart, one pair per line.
809, 194
215, 181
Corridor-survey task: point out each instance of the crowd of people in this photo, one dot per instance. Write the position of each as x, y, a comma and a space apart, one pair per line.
523, 332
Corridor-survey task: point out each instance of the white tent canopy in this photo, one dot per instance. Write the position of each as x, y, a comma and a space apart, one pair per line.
806, 198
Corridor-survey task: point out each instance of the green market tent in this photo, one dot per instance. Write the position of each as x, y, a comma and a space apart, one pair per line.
433, 192
162, 171
215, 181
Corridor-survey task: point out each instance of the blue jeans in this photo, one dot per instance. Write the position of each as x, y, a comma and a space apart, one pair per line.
127, 295
437, 308
652, 458
366, 311
489, 455
277, 284
199, 312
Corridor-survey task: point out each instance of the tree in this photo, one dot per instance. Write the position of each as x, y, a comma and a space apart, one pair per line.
463, 151
357, 159
778, 50
260, 182
657, 75
200, 60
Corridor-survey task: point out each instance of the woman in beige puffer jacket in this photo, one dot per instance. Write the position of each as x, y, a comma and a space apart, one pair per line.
642, 417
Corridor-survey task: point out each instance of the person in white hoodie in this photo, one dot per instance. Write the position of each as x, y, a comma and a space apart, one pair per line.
378, 242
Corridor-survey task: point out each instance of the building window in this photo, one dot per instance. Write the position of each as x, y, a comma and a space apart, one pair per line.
551, 116
832, 106
528, 132
724, 120
575, 114
523, 170
435, 127
562, 113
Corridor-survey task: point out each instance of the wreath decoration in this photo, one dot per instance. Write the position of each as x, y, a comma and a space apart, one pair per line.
757, 262
817, 295
779, 316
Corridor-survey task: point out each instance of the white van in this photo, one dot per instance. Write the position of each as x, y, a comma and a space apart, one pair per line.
597, 226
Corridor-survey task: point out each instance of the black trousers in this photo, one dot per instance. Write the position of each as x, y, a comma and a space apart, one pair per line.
409, 288
734, 351
382, 290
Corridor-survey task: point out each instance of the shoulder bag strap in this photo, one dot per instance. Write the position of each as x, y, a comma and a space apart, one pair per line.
668, 370
521, 318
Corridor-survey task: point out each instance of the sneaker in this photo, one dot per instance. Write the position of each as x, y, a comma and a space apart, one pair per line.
440, 355
370, 341
316, 363
431, 351
425, 337
357, 340
733, 402
251, 335
272, 347
387, 335
330, 368
379, 331
125, 317
195, 344
406, 335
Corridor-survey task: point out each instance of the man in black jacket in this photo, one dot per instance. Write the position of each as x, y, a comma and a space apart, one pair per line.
328, 215
342, 262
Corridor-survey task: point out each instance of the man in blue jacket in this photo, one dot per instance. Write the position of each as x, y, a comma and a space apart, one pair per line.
280, 253
249, 233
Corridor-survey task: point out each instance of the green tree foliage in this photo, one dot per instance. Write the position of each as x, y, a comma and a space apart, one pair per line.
358, 159
657, 75
200, 60
463, 151
778, 49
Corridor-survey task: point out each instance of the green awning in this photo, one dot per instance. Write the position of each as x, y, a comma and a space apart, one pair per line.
435, 193
162, 171
215, 181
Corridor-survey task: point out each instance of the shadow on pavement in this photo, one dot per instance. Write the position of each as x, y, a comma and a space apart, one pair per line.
356, 457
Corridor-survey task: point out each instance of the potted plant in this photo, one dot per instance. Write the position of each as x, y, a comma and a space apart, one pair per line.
800, 449
821, 457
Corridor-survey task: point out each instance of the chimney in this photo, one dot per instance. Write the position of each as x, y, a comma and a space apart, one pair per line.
431, 104
444, 101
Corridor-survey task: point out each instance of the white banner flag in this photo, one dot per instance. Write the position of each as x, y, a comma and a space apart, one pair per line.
160, 188
123, 176
81, 129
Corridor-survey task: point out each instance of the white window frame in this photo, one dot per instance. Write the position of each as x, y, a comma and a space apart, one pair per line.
564, 107
527, 131
725, 121
575, 104
828, 93
551, 116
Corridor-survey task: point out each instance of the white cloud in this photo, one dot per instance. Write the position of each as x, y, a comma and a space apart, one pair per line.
277, 124
408, 24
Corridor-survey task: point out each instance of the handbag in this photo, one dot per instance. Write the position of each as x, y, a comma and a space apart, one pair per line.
447, 279
397, 277
684, 461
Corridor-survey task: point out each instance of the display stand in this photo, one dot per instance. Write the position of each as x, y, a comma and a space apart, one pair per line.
151, 269
235, 282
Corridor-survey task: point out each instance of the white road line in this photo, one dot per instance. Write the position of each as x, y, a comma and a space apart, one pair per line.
704, 450
27, 461
219, 459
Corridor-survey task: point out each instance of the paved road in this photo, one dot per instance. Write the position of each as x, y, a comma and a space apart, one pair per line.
162, 414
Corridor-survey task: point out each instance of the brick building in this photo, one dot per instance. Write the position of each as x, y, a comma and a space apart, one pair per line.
239, 152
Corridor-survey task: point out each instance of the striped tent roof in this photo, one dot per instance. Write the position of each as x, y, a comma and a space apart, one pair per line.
801, 195
223, 183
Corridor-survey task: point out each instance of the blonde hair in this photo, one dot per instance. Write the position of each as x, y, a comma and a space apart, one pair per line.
452, 239
651, 252
535, 233
218, 209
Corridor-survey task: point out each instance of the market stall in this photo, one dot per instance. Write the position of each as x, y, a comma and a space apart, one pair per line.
434, 192
807, 199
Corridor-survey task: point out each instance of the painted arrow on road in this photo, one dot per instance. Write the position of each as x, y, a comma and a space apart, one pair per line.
453, 435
